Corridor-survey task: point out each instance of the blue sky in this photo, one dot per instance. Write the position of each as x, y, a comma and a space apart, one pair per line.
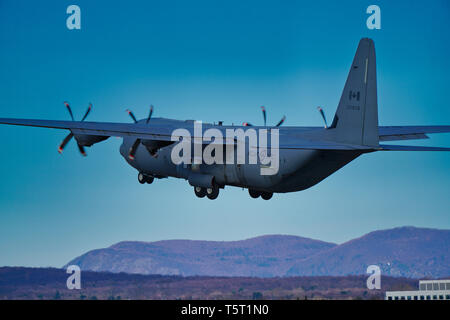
210, 60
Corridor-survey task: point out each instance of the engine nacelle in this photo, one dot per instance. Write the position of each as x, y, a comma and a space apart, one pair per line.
88, 140
153, 145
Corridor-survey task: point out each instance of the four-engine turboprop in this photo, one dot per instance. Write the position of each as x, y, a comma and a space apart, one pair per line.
281, 159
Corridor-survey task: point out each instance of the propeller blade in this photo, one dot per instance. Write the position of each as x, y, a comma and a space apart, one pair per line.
81, 148
281, 121
132, 116
69, 109
150, 114
264, 115
87, 111
323, 116
65, 141
133, 149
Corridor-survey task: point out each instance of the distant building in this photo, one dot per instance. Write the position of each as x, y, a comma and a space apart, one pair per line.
428, 290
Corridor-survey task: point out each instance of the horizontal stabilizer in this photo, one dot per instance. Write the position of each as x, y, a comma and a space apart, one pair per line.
323, 145
384, 147
403, 130
413, 136
409, 132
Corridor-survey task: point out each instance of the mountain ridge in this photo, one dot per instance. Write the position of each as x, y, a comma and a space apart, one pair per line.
403, 251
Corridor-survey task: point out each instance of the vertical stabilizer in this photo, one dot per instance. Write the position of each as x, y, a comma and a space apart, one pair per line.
356, 119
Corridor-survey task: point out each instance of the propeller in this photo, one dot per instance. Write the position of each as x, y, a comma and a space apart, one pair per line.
281, 121
149, 114
136, 143
70, 135
264, 115
132, 115
263, 109
323, 116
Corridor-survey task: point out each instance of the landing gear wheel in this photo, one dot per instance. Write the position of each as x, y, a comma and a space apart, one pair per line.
149, 179
253, 193
142, 178
200, 192
266, 195
212, 193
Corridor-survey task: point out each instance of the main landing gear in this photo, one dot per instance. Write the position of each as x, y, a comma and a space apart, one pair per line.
200, 192
212, 193
145, 178
255, 194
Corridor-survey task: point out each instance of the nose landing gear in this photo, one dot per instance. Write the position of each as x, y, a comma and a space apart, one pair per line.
144, 178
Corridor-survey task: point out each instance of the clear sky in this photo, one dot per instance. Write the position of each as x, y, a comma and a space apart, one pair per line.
210, 60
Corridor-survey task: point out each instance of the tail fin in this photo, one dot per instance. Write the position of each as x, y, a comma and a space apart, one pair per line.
356, 119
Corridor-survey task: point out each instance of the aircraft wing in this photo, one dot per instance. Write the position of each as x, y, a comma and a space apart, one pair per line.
163, 132
151, 132
394, 133
156, 132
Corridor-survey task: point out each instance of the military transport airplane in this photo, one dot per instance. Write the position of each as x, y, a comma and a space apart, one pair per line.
307, 155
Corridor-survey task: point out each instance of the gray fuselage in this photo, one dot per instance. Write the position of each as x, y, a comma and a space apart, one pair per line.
298, 169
